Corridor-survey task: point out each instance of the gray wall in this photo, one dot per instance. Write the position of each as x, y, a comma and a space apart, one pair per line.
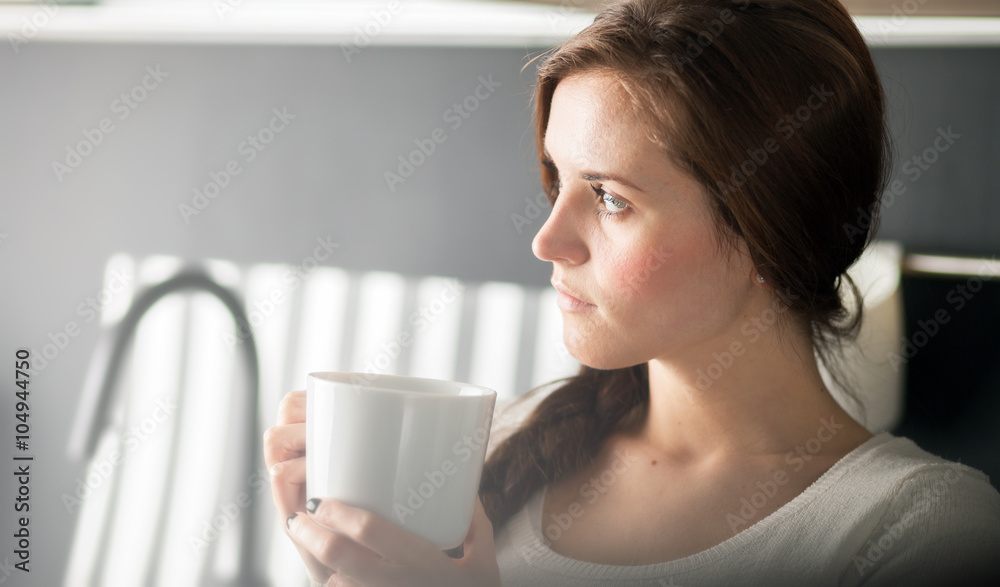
954, 205
323, 175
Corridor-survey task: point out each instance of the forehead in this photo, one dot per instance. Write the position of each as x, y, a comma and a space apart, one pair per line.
592, 114
594, 126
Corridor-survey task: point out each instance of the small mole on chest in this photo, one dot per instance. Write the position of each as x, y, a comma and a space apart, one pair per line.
654, 462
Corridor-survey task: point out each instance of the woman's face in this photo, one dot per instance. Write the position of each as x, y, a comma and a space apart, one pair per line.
632, 240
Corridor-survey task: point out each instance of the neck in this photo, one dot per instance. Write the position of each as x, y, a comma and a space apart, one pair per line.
743, 396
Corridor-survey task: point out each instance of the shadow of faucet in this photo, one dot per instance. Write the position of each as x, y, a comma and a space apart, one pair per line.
96, 404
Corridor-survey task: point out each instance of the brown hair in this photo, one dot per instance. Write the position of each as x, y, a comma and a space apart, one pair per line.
775, 107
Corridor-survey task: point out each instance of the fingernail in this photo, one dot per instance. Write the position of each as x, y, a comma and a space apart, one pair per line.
275, 468
288, 522
311, 505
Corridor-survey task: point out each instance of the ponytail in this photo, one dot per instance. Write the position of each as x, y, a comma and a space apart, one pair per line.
796, 214
562, 435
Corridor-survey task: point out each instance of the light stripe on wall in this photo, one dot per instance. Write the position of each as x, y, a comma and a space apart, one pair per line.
496, 336
379, 319
435, 326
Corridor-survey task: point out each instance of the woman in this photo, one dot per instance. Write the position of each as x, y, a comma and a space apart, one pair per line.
707, 162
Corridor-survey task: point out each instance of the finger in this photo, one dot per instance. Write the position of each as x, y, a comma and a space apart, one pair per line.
289, 499
480, 535
319, 574
333, 549
288, 486
373, 532
290, 472
285, 442
480, 551
337, 580
292, 408
342, 580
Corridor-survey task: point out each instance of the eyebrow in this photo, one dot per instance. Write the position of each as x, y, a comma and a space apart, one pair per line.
610, 177
591, 176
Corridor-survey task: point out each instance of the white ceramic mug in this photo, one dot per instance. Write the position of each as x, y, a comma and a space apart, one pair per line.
406, 448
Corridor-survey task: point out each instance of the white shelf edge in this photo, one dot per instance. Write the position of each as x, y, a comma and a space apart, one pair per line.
425, 22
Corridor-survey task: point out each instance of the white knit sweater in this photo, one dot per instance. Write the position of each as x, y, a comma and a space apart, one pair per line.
887, 513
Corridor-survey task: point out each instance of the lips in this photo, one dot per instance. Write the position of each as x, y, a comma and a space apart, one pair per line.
568, 300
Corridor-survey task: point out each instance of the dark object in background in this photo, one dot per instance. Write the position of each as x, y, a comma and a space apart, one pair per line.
952, 405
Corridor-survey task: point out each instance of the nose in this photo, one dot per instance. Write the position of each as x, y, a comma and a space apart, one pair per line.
559, 239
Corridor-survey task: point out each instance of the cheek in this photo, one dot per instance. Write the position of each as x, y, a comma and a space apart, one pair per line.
677, 284
636, 276
641, 273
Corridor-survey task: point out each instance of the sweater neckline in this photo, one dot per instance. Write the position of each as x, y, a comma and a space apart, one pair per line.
526, 529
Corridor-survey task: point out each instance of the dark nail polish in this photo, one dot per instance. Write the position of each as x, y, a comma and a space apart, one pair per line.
288, 522
311, 505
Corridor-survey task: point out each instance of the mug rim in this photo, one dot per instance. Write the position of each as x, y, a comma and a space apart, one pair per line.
344, 378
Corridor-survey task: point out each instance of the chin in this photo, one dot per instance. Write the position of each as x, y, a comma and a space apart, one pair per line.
601, 358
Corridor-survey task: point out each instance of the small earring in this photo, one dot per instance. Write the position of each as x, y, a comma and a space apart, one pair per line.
760, 278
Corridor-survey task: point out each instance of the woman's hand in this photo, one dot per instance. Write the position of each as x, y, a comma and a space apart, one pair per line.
284, 455
343, 545
361, 548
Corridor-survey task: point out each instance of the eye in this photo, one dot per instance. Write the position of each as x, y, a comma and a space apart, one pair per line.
612, 205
